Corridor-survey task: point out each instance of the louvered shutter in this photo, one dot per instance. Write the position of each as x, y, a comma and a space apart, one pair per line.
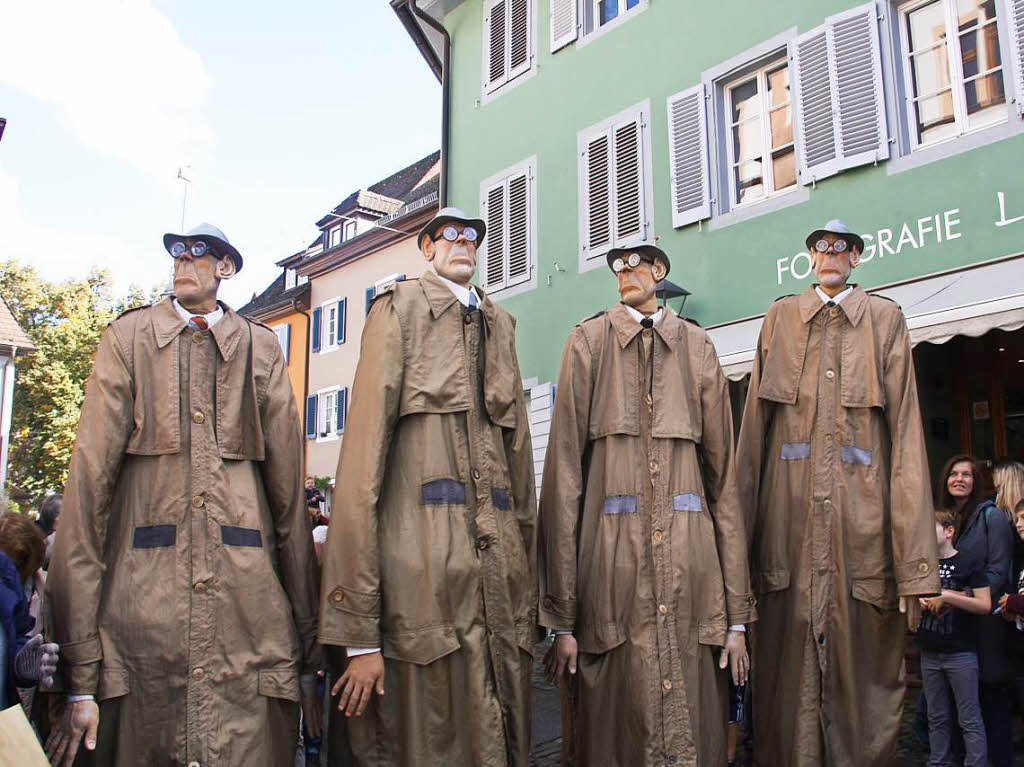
563, 23
495, 253
495, 45
630, 225
1016, 24
814, 86
341, 404
311, 416
520, 43
688, 156
342, 305
596, 170
519, 229
862, 134
317, 321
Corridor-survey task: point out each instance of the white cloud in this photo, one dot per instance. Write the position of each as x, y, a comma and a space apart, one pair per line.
122, 80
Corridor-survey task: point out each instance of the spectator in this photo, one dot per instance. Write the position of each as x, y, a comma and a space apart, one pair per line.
313, 500
319, 539
24, 661
1012, 606
984, 534
49, 514
949, 657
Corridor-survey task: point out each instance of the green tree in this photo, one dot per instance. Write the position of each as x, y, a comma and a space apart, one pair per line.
64, 320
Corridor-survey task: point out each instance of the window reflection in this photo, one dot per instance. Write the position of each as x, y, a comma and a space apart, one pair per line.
762, 155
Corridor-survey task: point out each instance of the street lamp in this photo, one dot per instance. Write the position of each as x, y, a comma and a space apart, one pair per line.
667, 289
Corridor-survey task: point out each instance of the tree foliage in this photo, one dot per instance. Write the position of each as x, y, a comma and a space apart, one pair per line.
64, 320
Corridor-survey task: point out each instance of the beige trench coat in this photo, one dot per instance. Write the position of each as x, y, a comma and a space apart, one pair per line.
182, 583
835, 481
430, 550
643, 550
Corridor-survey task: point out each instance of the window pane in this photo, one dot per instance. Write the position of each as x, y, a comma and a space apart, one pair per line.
929, 71
747, 141
778, 87
971, 13
608, 10
784, 168
632, 4
926, 25
781, 123
749, 180
979, 50
745, 103
935, 120
985, 98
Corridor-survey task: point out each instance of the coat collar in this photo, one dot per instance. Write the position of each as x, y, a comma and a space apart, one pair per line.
854, 304
168, 324
440, 297
626, 328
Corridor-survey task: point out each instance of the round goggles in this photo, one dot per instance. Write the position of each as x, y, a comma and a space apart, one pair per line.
451, 234
838, 246
199, 248
632, 261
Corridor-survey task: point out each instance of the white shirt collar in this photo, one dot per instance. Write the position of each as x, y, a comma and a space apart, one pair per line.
838, 298
211, 319
639, 316
460, 292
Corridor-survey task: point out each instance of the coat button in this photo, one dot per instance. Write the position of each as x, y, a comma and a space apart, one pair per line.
654, 466
821, 639
662, 609
923, 568
197, 337
828, 438
483, 543
193, 764
468, 319
198, 501
198, 417
476, 474
338, 596
830, 374
547, 602
649, 398
667, 684
827, 503
199, 588
197, 673
657, 536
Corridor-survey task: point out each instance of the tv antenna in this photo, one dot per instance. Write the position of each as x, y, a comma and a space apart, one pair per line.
184, 195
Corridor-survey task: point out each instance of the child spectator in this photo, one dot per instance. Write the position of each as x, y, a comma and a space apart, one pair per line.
949, 658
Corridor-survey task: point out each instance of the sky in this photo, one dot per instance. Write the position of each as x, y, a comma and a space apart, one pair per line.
275, 112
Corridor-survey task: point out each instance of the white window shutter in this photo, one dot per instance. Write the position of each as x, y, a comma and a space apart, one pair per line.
1016, 25
628, 187
520, 43
519, 229
688, 156
564, 22
862, 134
495, 45
495, 253
596, 177
814, 84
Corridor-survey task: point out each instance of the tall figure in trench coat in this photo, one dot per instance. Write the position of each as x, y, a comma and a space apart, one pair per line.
835, 482
183, 583
429, 577
643, 554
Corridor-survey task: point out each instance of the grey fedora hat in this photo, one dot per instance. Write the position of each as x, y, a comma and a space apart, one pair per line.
836, 226
651, 250
209, 232
447, 215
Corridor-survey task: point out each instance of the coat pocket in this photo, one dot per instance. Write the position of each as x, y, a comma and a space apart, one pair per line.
880, 592
597, 638
773, 580
279, 683
422, 646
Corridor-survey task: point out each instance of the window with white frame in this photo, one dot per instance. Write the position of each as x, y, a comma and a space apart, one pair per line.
761, 150
601, 13
334, 237
331, 405
350, 230
952, 68
283, 333
289, 279
508, 206
508, 42
615, 193
329, 320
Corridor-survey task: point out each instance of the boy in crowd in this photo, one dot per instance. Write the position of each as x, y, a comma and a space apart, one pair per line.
949, 657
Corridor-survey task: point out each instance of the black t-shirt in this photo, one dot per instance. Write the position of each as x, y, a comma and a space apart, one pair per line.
954, 631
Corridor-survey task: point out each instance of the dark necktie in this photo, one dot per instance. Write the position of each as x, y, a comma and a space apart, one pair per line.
830, 304
473, 304
647, 322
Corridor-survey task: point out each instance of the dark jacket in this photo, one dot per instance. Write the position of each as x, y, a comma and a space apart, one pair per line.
987, 536
17, 623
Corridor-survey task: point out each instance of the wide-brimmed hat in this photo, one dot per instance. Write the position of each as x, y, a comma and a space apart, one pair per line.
209, 232
447, 215
836, 226
652, 250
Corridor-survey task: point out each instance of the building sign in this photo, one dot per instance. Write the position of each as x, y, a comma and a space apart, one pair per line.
931, 231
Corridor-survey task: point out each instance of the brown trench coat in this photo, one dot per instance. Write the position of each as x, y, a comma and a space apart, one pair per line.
430, 551
183, 583
835, 481
643, 551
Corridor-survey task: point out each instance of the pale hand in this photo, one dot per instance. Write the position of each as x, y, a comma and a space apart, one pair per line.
561, 657
312, 707
911, 607
363, 676
81, 718
734, 655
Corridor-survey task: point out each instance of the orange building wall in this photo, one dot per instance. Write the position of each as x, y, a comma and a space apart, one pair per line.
297, 344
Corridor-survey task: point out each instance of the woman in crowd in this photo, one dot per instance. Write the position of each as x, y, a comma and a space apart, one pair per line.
984, 532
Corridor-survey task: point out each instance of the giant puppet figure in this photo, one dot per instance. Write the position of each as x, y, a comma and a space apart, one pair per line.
835, 484
183, 583
429, 578
643, 554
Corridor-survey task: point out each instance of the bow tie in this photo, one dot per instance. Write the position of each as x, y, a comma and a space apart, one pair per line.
647, 322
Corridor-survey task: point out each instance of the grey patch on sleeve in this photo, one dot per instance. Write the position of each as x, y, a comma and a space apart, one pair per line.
795, 451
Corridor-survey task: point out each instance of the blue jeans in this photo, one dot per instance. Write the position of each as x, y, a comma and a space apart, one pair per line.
951, 684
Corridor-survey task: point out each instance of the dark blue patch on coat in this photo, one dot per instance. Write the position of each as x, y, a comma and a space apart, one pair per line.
154, 536
501, 499
241, 536
853, 454
620, 504
441, 491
